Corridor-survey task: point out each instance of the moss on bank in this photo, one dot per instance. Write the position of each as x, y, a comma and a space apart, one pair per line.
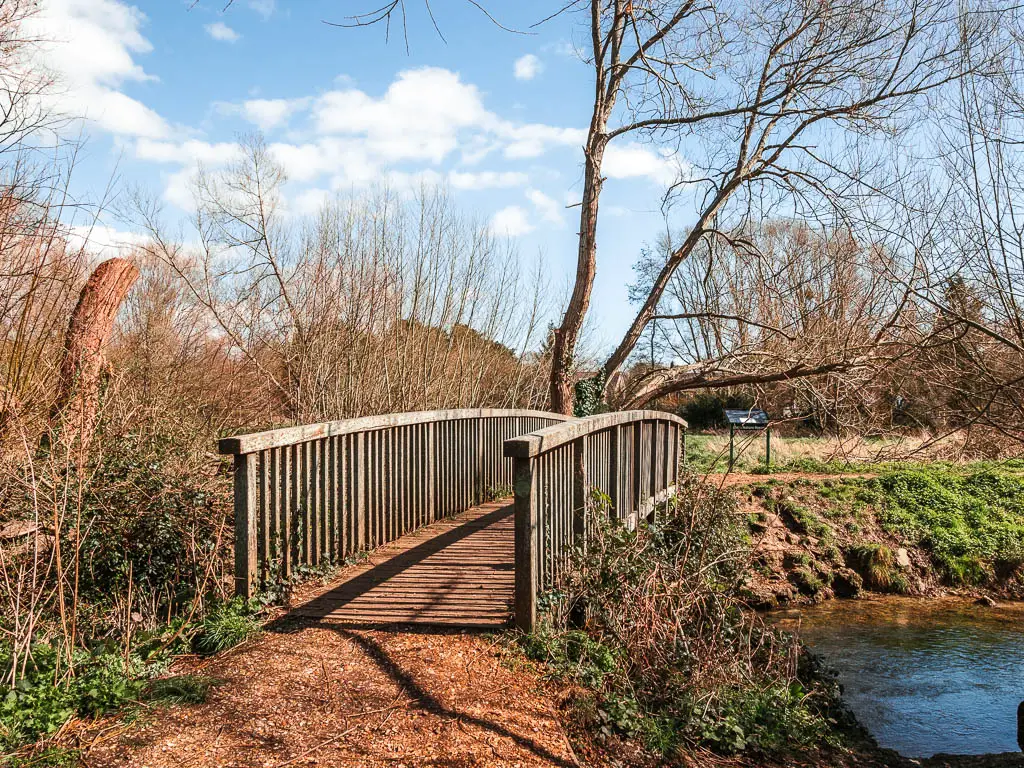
907, 530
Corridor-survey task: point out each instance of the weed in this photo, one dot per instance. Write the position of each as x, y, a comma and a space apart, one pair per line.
226, 626
180, 689
664, 640
876, 564
51, 757
807, 581
494, 492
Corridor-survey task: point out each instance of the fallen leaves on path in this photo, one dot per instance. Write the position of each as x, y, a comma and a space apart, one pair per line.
322, 694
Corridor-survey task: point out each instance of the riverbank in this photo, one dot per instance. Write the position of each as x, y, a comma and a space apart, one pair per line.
925, 531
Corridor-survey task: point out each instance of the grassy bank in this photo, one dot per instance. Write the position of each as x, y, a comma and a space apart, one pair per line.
910, 529
653, 634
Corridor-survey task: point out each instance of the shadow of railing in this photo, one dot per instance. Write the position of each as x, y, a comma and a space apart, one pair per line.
324, 605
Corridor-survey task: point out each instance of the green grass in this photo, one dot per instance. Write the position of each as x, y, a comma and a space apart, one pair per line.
971, 523
180, 689
226, 626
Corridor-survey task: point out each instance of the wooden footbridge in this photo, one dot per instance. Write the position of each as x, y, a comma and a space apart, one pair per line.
467, 515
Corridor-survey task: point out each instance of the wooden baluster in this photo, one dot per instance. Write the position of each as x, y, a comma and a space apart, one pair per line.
276, 512
313, 472
265, 517
245, 524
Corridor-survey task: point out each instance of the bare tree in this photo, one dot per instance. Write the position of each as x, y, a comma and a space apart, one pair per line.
375, 304
780, 302
773, 104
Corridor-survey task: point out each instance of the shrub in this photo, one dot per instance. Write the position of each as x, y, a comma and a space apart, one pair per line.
665, 639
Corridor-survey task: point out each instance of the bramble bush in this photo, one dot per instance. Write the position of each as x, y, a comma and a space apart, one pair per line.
651, 624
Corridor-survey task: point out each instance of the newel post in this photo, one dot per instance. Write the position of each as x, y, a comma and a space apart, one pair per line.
245, 524
523, 484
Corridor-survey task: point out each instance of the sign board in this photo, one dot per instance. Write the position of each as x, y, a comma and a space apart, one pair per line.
742, 418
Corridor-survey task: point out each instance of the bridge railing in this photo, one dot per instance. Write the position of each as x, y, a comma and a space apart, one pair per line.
319, 493
632, 456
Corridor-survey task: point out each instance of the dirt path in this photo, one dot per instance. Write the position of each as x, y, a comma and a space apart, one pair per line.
327, 695
745, 478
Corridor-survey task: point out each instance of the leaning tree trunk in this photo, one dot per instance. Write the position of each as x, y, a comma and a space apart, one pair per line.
74, 412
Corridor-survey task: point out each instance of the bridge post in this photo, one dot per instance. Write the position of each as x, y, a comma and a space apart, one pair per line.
579, 491
245, 524
523, 482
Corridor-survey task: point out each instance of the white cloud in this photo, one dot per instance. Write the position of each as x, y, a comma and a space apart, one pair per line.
487, 179
105, 241
186, 152
90, 46
527, 67
179, 189
419, 117
346, 162
534, 139
511, 222
221, 31
270, 113
548, 208
310, 201
635, 161
264, 8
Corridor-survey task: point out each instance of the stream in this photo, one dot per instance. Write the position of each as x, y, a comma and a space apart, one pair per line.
924, 676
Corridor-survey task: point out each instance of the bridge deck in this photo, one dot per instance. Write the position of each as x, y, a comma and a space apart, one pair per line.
456, 572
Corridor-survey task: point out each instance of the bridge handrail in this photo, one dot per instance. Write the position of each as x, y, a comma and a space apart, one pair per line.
275, 438
318, 493
631, 456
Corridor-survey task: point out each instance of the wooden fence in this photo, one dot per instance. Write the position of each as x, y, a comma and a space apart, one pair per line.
632, 456
316, 494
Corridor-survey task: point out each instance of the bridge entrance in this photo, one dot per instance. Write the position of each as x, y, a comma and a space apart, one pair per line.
412, 489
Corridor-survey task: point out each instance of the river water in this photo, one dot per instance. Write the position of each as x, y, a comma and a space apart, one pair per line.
923, 675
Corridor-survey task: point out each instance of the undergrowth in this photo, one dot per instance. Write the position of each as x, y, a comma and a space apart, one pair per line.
51, 689
650, 626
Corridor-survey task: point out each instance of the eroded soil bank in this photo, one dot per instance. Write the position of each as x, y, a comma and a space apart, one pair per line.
817, 537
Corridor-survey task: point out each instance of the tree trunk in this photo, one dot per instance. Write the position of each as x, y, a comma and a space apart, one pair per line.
74, 411
567, 334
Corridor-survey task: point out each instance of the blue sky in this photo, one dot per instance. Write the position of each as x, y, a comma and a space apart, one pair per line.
498, 117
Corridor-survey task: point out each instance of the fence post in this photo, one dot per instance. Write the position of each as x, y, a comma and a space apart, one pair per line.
245, 524
526, 543
579, 491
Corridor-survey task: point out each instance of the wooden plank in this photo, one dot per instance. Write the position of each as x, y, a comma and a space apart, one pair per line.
457, 572
245, 525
